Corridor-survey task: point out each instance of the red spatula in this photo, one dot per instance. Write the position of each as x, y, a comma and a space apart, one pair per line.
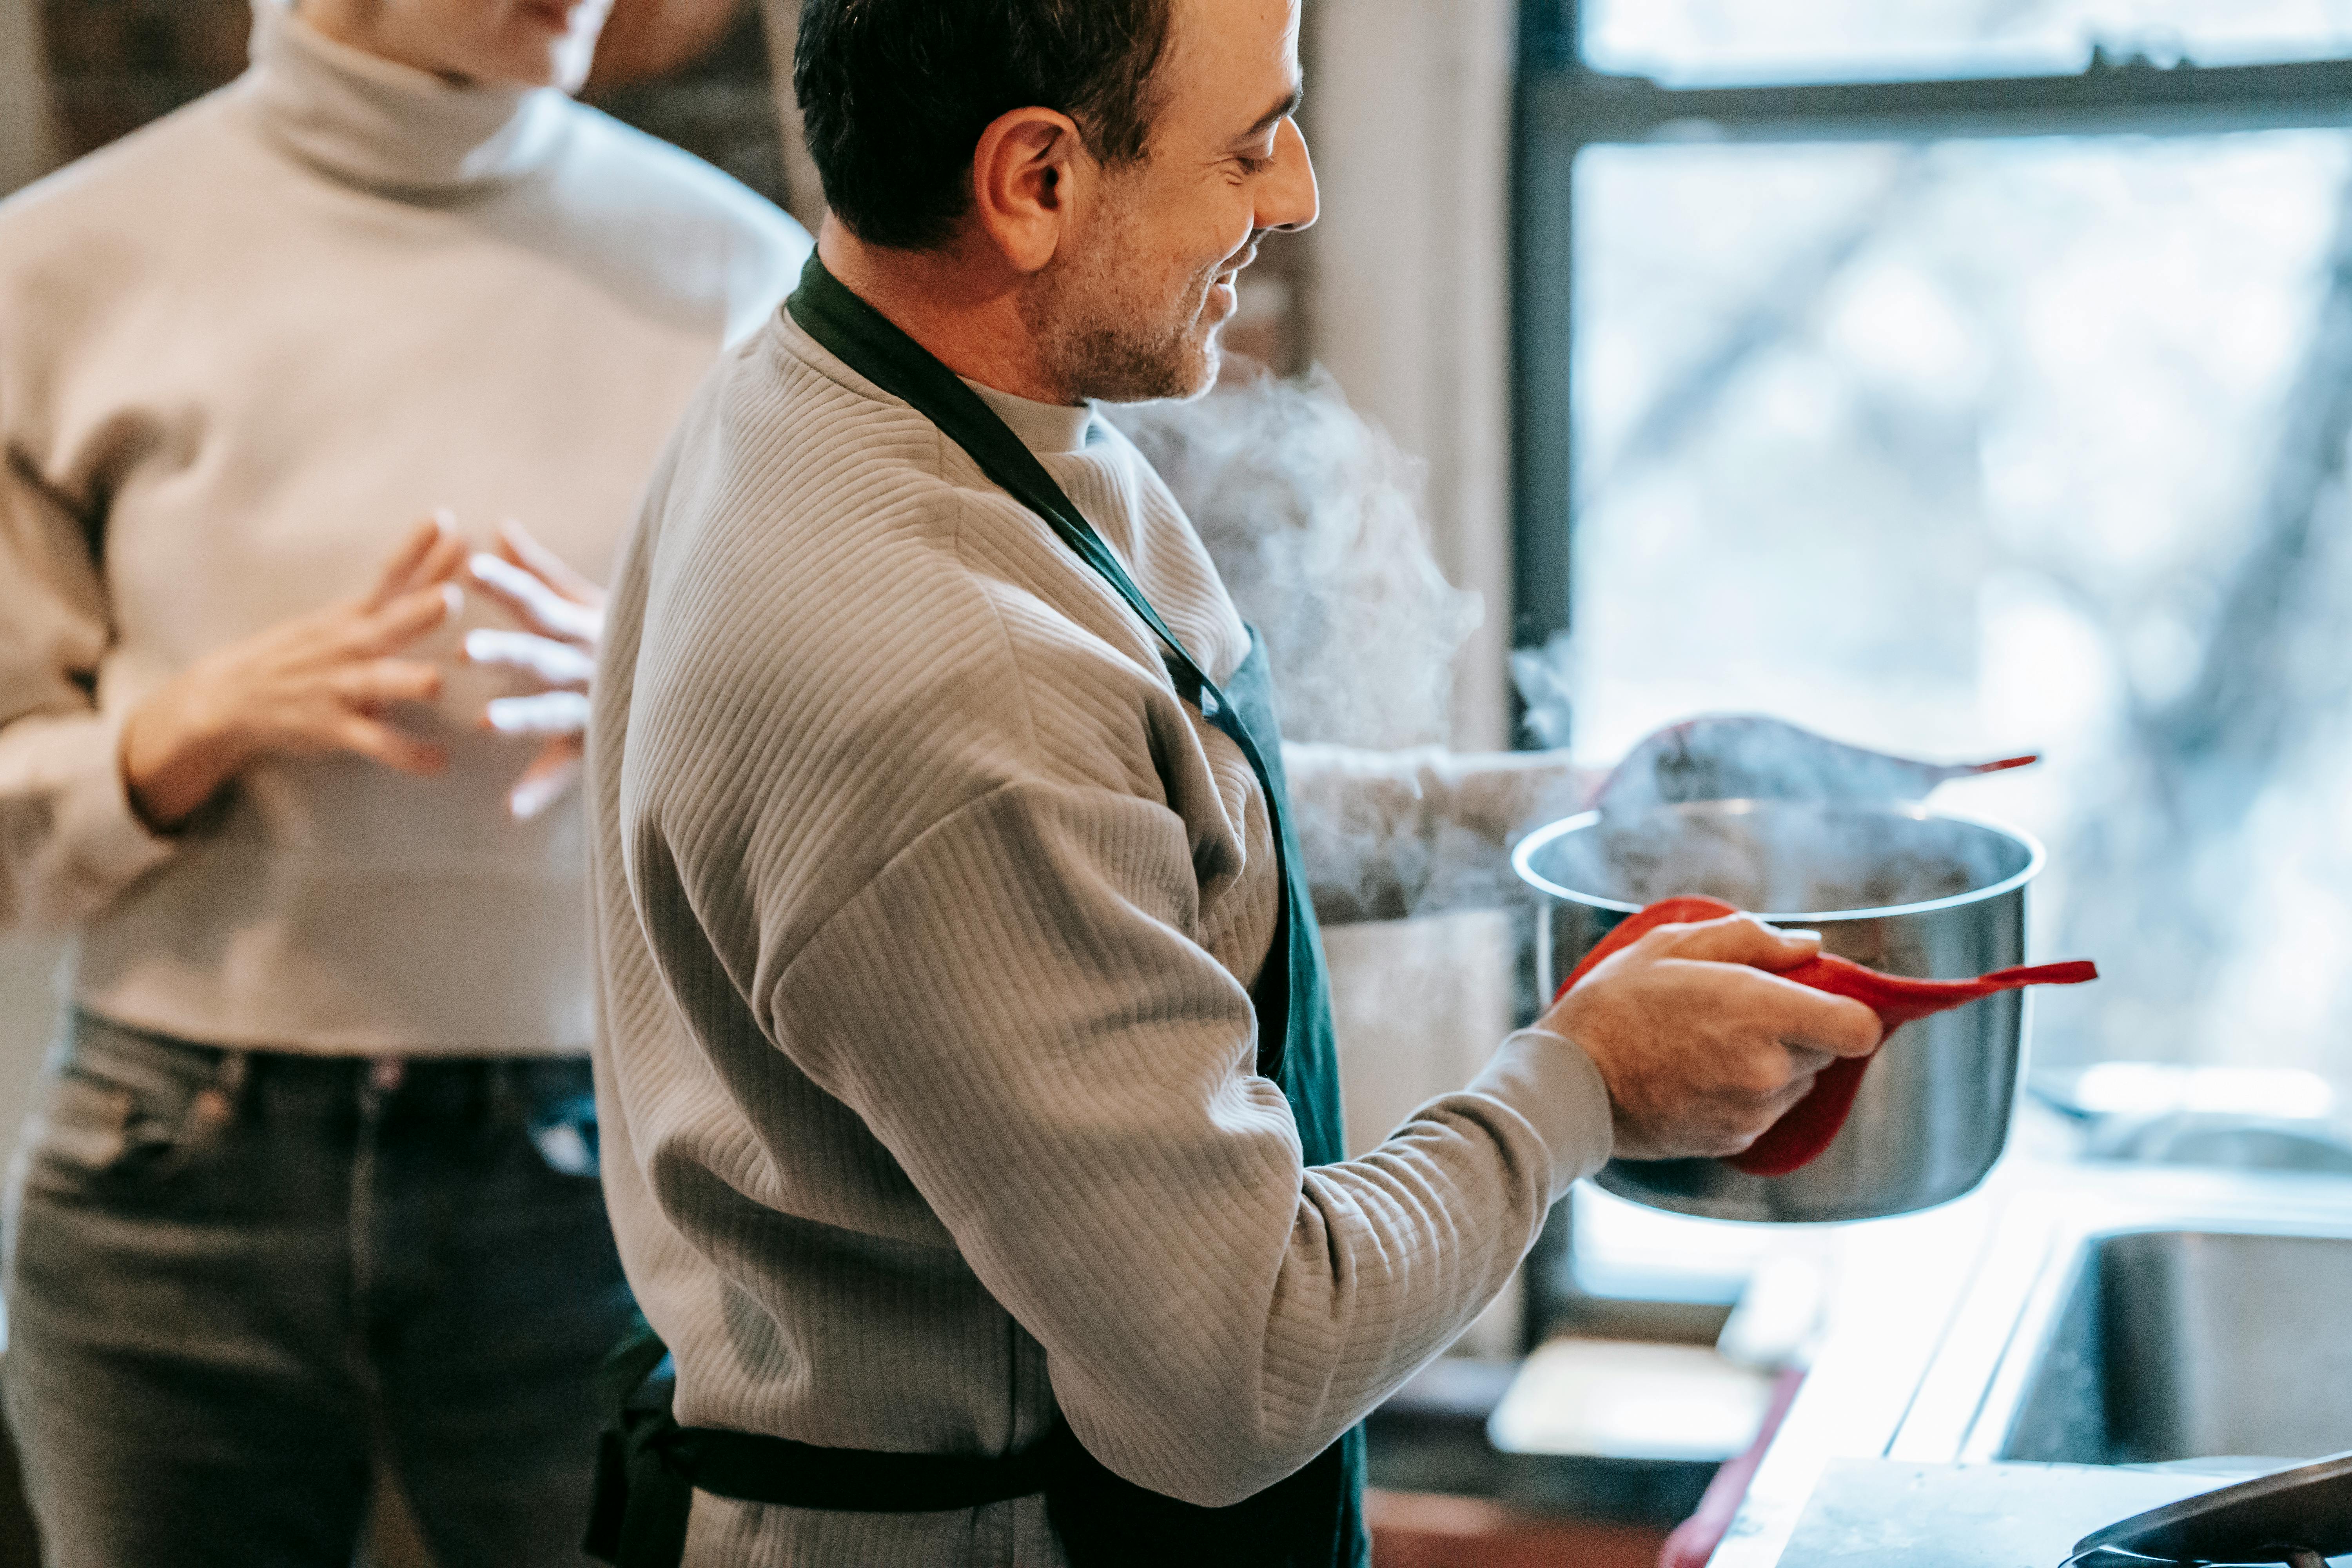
1799, 1137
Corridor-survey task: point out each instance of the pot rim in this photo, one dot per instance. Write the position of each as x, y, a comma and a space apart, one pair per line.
2035, 855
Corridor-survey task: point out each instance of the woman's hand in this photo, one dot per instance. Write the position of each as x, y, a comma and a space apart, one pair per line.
311, 685
564, 614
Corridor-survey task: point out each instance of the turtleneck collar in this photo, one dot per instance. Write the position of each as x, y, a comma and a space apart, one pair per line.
386, 126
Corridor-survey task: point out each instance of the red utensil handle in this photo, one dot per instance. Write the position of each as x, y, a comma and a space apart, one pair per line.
1807, 1128
2073, 973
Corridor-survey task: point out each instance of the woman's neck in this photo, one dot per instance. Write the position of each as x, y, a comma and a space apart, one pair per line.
374, 28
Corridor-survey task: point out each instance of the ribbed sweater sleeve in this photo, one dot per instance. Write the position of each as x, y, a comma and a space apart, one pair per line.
68, 840
1013, 1009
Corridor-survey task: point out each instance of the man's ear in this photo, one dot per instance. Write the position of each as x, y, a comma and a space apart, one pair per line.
1026, 173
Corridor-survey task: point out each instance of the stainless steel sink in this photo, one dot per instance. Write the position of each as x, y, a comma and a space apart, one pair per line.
2187, 1344
2077, 1314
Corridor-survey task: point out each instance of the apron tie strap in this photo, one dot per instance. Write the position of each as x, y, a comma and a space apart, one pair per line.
649, 1467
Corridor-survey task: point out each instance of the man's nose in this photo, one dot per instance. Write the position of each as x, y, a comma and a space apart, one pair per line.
1287, 200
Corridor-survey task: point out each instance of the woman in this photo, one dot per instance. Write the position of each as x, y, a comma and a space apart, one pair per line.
312, 1184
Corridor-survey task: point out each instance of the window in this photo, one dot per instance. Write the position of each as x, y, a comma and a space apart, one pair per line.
1969, 376
1693, 43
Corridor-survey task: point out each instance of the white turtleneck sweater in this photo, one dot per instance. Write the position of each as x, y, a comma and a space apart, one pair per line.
241, 353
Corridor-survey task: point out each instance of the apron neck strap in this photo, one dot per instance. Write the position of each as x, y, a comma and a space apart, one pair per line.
863, 337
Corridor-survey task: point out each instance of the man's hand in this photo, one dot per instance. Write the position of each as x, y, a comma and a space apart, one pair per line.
308, 687
1702, 1047
564, 617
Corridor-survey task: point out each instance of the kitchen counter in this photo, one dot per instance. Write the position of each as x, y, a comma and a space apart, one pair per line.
1934, 1328
1433, 1439
1871, 1513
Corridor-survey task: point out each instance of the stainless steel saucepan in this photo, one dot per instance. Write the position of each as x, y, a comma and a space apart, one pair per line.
1894, 886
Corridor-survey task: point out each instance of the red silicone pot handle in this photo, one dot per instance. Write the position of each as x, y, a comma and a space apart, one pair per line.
1797, 1139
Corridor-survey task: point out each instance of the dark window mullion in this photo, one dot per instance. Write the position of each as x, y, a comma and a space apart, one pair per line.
1543, 328
1590, 107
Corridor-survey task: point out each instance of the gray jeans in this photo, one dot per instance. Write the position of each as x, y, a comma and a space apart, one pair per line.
237, 1281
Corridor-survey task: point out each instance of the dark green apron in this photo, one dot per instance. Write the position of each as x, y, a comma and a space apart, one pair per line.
1312, 1519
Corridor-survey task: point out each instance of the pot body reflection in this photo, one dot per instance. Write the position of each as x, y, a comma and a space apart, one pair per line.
1898, 887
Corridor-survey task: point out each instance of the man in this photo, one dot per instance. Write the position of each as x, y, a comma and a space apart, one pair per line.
965, 1075
311, 1190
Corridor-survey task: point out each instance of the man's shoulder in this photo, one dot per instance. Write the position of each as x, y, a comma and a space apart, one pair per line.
789, 451
812, 542
796, 451
807, 533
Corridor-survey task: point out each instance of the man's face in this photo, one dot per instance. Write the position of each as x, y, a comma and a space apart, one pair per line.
1130, 306
525, 43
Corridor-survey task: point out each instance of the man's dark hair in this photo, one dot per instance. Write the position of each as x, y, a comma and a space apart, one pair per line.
896, 93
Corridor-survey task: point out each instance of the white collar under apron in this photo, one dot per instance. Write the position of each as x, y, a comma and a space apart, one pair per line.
1045, 428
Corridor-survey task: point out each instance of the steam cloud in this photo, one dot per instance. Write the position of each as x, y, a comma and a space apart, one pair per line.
1313, 517
1786, 856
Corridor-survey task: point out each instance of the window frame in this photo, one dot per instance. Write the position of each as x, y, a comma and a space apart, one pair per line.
1563, 107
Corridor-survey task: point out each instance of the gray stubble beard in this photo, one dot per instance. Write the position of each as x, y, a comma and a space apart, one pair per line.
1101, 342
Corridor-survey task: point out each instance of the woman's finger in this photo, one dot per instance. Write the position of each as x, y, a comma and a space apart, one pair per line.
394, 577
538, 606
402, 621
551, 713
556, 665
379, 741
447, 558
549, 778
518, 544
387, 680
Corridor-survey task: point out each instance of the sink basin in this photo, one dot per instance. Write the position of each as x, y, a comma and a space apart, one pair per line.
2189, 1345
2077, 1315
